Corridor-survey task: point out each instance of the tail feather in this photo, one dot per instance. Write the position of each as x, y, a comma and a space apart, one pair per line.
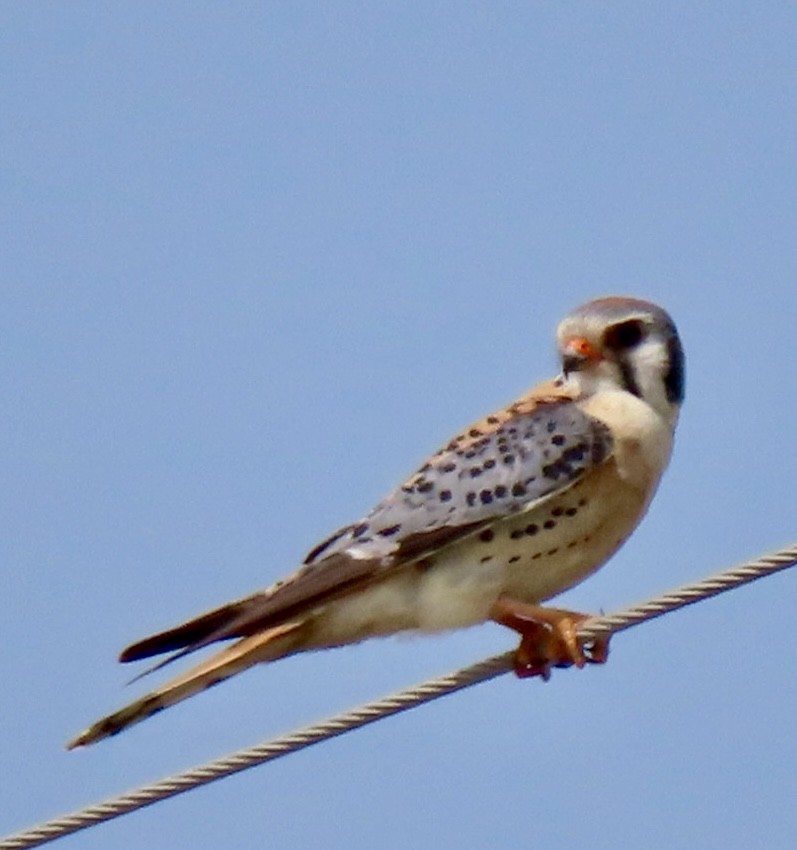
201, 630
267, 645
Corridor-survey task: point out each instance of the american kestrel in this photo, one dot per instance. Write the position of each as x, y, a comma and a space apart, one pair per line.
517, 508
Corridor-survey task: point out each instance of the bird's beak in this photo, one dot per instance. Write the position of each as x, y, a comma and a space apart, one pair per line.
578, 352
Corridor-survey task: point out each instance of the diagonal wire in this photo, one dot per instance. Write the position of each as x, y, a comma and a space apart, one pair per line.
404, 700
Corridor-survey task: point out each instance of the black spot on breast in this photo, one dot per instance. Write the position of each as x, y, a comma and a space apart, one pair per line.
486, 496
448, 467
390, 531
475, 471
500, 491
558, 440
445, 496
518, 490
470, 498
489, 463
550, 426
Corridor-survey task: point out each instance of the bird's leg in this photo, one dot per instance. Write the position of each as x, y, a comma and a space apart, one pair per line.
548, 637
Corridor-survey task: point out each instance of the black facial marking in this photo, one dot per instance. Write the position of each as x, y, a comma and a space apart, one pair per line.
625, 336
675, 379
628, 377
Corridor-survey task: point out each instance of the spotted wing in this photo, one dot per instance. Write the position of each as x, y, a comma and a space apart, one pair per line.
500, 466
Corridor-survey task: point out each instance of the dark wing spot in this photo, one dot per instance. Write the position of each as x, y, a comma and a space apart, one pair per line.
314, 553
549, 523
532, 529
486, 535
389, 532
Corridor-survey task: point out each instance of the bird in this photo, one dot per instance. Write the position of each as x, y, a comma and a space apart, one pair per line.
512, 511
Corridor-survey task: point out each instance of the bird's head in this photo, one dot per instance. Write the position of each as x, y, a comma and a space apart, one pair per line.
626, 344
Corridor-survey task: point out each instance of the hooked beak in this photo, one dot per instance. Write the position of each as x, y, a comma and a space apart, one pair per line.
577, 353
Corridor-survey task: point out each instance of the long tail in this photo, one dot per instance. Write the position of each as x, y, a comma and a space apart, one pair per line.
267, 645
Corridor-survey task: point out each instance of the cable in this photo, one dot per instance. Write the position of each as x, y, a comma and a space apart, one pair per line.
401, 701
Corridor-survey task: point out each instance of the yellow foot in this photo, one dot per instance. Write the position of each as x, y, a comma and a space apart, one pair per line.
548, 637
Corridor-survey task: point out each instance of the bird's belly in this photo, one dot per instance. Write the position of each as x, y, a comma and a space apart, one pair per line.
534, 555
531, 556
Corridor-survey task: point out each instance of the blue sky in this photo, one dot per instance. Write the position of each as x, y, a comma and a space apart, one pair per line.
258, 261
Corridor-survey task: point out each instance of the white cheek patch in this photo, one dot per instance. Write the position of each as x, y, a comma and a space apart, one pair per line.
651, 362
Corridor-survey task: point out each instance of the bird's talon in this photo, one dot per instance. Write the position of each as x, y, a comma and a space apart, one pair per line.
597, 651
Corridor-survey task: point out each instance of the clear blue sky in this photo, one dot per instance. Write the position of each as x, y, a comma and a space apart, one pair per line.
258, 260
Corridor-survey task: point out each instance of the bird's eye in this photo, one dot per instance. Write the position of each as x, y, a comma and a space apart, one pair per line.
624, 336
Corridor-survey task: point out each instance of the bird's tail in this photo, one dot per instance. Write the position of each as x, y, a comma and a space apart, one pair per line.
267, 645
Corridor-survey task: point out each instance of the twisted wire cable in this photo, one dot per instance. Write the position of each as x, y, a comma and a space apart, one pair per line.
404, 700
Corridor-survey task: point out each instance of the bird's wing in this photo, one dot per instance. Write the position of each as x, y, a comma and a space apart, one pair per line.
502, 465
